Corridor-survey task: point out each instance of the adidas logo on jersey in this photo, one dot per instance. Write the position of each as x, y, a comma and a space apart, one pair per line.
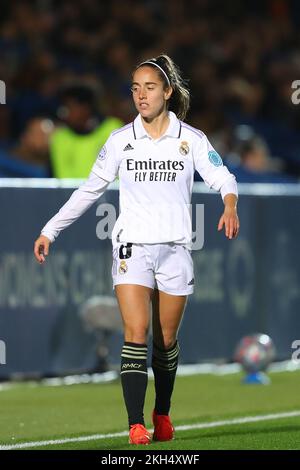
192, 282
128, 147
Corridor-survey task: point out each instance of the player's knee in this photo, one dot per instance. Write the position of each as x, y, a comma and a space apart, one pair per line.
136, 335
167, 341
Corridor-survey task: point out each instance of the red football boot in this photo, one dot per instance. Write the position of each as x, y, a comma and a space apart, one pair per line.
163, 428
138, 434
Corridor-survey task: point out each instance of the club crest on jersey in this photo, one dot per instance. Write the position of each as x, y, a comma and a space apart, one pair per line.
123, 268
215, 158
102, 153
184, 148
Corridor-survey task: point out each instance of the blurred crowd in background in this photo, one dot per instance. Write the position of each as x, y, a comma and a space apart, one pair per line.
67, 67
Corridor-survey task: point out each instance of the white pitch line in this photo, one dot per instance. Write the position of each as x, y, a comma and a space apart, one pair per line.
187, 427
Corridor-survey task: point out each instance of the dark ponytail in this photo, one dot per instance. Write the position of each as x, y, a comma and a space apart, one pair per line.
180, 98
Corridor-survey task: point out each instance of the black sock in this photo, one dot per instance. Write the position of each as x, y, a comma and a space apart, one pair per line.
164, 365
134, 378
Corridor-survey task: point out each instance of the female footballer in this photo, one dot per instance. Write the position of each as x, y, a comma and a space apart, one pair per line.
154, 157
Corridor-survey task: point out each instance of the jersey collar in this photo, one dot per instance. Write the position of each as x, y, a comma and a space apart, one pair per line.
174, 129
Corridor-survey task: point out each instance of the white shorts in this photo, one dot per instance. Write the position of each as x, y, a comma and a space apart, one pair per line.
164, 266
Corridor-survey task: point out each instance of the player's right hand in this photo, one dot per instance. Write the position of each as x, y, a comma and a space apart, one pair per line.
41, 248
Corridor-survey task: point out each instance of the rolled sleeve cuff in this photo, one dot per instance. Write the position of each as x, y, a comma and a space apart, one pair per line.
49, 235
229, 187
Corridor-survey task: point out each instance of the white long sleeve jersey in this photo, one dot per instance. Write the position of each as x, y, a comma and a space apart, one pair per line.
155, 182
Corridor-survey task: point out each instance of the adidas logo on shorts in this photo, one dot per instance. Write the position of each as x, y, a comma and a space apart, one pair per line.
128, 147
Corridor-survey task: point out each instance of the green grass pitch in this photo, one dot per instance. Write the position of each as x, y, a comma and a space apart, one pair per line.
43, 413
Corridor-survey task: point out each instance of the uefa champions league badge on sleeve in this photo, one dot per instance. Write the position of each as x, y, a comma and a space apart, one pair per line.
255, 353
215, 158
102, 153
123, 268
184, 148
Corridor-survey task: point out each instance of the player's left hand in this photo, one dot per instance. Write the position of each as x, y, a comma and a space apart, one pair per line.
231, 221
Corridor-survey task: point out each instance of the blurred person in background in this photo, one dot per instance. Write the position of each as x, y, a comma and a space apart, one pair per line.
241, 70
155, 157
30, 157
84, 131
255, 157
251, 161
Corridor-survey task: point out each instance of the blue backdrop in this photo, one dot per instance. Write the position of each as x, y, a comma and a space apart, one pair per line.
243, 286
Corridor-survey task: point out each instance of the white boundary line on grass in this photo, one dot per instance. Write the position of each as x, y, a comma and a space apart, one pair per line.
95, 437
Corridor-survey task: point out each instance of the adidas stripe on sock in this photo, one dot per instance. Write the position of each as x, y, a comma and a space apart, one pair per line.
164, 365
134, 379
